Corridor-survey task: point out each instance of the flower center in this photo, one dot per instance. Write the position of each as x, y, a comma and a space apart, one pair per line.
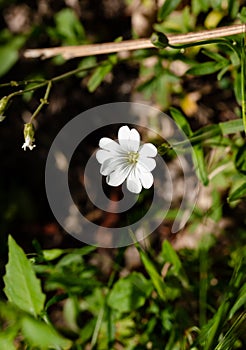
133, 157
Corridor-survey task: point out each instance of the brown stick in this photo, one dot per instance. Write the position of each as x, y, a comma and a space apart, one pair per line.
69, 52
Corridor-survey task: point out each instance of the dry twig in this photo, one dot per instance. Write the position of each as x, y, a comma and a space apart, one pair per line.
69, 52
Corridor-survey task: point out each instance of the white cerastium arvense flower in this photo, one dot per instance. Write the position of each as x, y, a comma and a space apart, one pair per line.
29, 137
127, 160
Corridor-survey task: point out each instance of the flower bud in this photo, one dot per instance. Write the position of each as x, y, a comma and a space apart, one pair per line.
3, 105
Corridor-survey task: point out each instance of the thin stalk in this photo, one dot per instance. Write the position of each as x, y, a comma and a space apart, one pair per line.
52, 80
43, 101
206, 42
72, 72
243, 72
14, 83
21, 92
203, 286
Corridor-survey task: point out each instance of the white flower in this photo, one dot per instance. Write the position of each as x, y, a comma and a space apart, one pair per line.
28, 143
127, 160
29, 136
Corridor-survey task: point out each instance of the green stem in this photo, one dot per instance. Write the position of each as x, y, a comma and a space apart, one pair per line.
52, 80
203, 286
161, 41
47, 83
72, 72
15, 83
21, 92
205, 42
43, 101
243, 72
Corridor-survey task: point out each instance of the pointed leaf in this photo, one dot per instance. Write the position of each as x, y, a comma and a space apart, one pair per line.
199, 164
181, 121
156, 278
129, 293
43, 335
171, 256
206, 68
98, 76
22, 287
167, 8
239, 192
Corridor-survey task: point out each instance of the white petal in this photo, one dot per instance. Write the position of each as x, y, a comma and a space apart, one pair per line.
148, 150
103, 155
110, 165
124, 133
129, 139
148, 163
134, 140
117, 177
109, 144
146, 179
133, 183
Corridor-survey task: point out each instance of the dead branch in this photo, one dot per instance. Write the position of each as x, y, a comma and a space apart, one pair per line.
69, 52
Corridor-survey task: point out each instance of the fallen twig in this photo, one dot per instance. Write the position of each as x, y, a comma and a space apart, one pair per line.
69, 52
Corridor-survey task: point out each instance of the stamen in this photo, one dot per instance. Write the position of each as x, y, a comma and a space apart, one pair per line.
133, 157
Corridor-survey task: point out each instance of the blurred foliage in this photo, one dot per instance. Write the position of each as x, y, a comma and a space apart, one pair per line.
133, 311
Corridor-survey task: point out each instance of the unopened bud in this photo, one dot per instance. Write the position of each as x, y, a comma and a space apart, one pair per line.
3, 105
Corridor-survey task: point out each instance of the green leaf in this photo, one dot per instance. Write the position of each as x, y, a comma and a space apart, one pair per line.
199, 164
68, 27
42, 335
22, 287
199, 6
215, 56
129, 293
55, 299
167, 8
6, 343
239, 193
52, 254
206, 68
85, 65
9, 51
156, 278
240, 160
169, 255
211, 331
237, 330
231, 127
181, 121
98, 76
197, 150
222, 72
242, 14
233, 8
240, 302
